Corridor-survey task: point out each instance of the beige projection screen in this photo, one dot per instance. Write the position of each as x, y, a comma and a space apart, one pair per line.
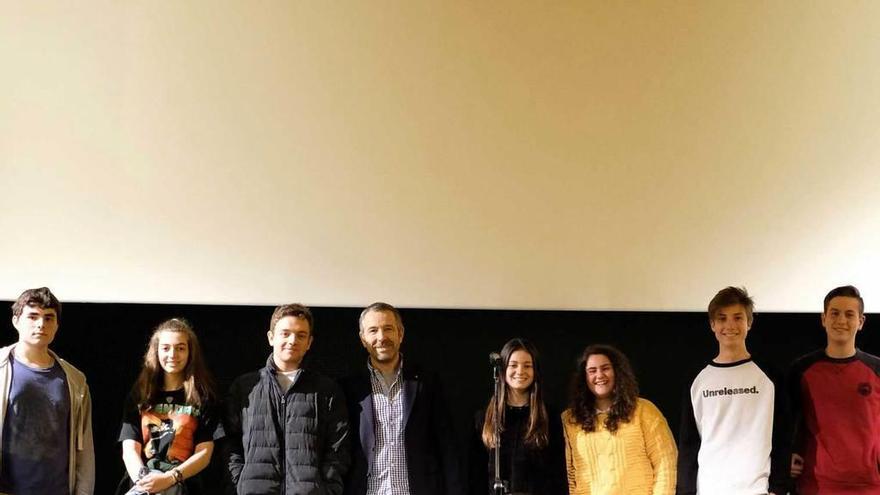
571, 155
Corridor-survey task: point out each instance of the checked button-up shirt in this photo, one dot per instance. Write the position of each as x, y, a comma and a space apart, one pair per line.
389, 474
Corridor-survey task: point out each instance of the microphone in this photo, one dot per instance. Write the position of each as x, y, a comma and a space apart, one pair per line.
495, 359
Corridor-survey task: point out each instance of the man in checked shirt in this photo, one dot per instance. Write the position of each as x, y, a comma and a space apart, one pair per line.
401, 429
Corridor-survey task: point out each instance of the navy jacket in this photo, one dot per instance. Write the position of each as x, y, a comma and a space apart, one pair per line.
432, 455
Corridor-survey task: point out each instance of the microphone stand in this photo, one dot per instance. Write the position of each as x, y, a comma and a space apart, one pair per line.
499, 487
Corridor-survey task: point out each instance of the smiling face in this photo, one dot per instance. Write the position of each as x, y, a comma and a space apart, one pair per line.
290, 339
381, 335
600, 376
731, 325
520, 372
36, 326
173, 352
842, 320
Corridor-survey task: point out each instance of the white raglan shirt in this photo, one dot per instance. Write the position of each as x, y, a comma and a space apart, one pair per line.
733, 412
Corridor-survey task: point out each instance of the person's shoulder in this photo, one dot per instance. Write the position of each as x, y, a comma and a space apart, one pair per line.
72, 372
697, 372
802, 363
647, 409
310, 374
4, 354
211, 406
414, 368
318, 382
247, 380
249, 376
869, 359
415, 371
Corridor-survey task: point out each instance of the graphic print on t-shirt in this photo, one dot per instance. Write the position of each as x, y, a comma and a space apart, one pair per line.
169, 430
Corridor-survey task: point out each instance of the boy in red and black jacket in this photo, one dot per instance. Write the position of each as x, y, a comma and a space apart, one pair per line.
835, 394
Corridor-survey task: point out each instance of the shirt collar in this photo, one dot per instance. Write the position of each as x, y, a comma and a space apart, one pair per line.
375, 372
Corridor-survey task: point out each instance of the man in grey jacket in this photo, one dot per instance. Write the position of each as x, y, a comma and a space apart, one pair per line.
287, 427
45, 408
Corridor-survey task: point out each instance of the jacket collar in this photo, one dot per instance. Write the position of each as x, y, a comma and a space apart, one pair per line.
272, 368
6, 355
410, 374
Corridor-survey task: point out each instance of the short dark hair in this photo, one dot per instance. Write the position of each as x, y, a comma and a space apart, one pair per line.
297, 310
380, 307
729, 296
41, 297
844, 291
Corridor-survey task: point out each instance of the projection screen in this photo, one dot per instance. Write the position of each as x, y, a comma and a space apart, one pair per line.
560, 155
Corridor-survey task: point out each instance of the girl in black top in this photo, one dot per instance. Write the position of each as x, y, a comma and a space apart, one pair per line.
170, 421
532, 455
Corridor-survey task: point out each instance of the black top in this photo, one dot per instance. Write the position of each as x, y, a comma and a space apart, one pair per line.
169, 432
527, 470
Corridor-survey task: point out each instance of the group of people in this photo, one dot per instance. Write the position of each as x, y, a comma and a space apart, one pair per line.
387, 430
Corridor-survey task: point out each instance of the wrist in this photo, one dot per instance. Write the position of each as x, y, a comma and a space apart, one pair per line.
176, 476
141, 472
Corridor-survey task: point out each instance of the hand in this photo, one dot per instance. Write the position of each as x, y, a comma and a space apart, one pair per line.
797, 465
156, 482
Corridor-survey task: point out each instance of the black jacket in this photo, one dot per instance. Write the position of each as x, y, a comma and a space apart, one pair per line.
433, 460
293, 443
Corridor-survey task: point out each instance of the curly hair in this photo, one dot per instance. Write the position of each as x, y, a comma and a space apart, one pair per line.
536, 434
625, 395
198, 384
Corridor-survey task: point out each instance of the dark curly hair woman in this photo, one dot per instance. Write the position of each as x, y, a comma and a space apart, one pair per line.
615, 441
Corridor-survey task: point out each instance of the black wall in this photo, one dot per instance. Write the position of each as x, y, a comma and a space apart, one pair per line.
107, 341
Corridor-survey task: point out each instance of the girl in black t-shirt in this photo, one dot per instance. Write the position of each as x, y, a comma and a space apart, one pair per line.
532, 455
169, 424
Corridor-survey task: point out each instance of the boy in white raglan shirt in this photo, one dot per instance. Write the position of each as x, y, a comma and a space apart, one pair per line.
733, 439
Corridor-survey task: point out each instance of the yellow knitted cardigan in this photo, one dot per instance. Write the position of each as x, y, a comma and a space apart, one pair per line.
639, 459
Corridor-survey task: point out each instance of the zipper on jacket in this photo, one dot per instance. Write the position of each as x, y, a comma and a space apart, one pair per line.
284, 443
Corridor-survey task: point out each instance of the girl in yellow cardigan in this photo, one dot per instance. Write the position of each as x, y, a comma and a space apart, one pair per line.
616, 443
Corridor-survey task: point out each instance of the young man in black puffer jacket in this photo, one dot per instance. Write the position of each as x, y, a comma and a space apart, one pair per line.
287, 428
